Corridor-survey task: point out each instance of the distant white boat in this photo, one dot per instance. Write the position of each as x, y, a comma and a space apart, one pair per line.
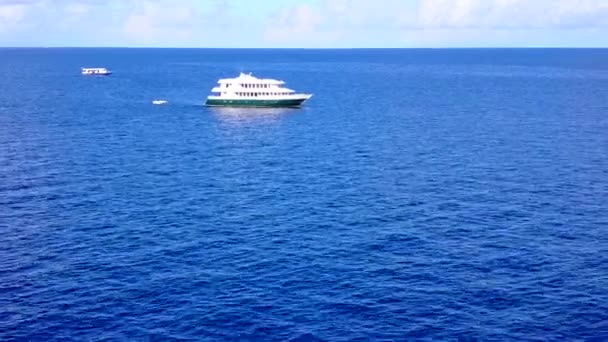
160, 102
96, 71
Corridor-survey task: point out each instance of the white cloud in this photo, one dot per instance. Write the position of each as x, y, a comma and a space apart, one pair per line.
77, 9
12, 14
332, 24
505, 23
294, 23
515, 14
177, 23
154, 20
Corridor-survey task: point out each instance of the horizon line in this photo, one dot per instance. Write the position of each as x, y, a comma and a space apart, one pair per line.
308, 48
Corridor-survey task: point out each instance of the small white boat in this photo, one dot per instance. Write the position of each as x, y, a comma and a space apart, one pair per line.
96, 71
160, 102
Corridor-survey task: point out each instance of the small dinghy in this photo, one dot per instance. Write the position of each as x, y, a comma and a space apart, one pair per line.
160, 102
96, 71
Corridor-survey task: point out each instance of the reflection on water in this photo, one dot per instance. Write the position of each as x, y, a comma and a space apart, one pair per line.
241, 115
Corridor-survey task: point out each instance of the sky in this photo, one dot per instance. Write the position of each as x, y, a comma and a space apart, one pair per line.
304, 23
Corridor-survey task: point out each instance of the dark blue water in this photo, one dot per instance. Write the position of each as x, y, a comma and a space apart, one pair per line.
420, 194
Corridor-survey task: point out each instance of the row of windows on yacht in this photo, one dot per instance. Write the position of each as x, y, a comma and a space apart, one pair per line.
257, 85
246, 94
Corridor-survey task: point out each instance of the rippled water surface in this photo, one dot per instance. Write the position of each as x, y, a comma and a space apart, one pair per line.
420, 194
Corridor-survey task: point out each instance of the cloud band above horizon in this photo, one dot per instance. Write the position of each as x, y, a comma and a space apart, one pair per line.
305, 23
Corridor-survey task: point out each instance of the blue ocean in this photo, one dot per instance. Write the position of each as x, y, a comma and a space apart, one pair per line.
440, 194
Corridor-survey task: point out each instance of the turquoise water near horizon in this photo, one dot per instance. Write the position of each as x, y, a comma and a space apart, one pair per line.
420, 194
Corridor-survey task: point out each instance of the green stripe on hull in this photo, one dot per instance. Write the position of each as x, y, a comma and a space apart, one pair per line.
254, 103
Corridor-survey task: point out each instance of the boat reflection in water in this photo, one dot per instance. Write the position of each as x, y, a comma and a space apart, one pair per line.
242, 115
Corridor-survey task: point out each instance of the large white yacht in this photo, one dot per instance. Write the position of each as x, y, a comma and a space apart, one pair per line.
249, 91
